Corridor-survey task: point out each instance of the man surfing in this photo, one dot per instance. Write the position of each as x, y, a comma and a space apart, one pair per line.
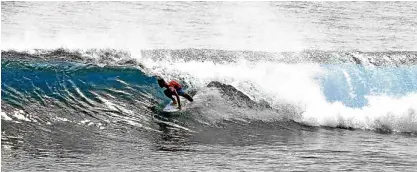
173, 88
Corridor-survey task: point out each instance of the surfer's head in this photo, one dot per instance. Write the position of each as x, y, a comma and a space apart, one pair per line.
161, 82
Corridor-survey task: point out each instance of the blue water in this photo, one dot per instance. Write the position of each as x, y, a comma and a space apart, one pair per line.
350, 84
53, 79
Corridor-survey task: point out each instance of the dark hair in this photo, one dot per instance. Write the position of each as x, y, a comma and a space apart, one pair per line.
161, 82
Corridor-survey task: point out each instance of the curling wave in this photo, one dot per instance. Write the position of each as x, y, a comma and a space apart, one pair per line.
375, 91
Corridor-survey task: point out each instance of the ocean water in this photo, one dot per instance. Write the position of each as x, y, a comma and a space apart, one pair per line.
278, 86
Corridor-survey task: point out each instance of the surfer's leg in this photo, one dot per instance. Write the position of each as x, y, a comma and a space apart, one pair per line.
188, 97
183, 94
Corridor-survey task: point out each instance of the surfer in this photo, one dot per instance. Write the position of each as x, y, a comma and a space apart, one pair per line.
173, 88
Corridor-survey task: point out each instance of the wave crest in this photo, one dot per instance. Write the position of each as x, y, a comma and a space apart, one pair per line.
122, 57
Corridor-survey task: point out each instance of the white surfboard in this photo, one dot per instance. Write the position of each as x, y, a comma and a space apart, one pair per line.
174, 108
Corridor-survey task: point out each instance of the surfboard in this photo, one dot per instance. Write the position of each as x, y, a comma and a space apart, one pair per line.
174, 108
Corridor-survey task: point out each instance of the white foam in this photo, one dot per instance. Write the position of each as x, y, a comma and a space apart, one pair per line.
293, 86
5, 117
61, 119
19, 114
276, 82
349, 82
398, 114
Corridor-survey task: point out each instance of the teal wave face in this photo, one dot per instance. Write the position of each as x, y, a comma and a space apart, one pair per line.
28, 81
24, 81
351, 84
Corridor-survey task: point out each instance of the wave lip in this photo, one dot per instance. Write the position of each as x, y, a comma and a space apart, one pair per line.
88, 56
114, 56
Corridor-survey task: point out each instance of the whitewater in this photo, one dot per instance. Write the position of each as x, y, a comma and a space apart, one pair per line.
278, 86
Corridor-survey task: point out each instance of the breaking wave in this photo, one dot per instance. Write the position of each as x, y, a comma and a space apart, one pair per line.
108, 88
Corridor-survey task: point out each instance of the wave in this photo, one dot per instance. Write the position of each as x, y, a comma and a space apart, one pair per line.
105, 87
